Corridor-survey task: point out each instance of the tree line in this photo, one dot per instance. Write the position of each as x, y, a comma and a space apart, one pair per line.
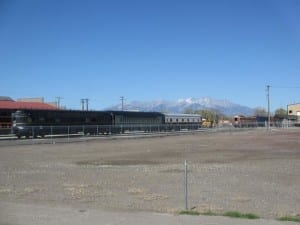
215, 115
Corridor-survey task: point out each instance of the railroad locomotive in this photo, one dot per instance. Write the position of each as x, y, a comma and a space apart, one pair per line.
50, 122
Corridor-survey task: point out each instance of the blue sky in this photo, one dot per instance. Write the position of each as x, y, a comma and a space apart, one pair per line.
150, 49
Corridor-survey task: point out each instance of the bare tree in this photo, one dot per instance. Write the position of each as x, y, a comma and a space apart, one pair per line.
259, 111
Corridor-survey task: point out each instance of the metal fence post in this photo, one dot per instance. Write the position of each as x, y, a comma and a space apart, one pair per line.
68, 133
186, 184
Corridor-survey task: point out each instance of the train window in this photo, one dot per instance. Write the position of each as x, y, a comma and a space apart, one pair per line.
177, 120
171, 120
290, 111
182, 120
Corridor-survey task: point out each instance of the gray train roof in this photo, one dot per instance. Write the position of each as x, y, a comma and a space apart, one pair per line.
181, 115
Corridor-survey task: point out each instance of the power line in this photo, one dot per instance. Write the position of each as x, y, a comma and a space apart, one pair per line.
286, 87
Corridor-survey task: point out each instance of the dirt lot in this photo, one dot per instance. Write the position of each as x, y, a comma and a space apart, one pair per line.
250, 171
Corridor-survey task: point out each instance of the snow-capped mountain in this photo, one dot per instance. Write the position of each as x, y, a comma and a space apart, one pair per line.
224, 106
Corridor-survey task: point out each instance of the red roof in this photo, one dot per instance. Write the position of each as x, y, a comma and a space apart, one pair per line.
25, 105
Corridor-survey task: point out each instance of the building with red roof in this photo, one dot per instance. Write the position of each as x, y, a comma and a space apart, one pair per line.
8, 103
8, 106
25, 105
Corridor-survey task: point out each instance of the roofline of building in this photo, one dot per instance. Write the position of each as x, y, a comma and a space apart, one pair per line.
293, 104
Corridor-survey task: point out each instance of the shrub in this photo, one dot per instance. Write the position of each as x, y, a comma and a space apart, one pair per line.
236, 214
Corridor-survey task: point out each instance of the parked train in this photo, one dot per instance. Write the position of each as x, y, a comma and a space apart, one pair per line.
5, 121
250, 121
182, 121
48, 122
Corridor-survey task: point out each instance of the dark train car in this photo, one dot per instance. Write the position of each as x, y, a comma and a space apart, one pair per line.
50, 122
45, 122
5, 121
68, 122
262, 121
123, 121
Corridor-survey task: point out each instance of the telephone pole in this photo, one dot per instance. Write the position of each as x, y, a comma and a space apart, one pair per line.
58, 101
86, 102
82, 104
122, 102
268, 98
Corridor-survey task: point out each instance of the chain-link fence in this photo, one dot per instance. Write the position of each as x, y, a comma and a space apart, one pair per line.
95, 130
277, 124
98, 130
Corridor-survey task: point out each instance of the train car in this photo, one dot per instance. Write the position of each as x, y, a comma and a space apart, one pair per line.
250, 121
244, 121
33, 123
182, 121
123, 121
45, 122
50, 122
5, 121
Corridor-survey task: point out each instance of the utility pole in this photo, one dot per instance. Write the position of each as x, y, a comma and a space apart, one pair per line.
268, 98
58, 101
87, 104
82, 104
122, 102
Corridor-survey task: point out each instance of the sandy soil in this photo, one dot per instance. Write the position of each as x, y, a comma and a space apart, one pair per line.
250, 171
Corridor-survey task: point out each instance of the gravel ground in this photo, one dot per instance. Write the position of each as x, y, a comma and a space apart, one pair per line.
250, 171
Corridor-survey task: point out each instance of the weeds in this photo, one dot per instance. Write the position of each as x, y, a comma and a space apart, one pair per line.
189, 212
233, 214
290, 218
209, 213
236, 214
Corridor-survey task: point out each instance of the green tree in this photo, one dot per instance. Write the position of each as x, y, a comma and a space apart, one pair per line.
209, 115
280, 112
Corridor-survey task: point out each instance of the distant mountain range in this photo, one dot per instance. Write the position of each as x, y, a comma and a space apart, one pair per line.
224, 106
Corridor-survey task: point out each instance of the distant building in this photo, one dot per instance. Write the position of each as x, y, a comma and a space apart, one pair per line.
39, 99
8, 106
36, 103
293, 111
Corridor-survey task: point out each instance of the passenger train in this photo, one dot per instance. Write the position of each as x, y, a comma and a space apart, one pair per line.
49, 122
